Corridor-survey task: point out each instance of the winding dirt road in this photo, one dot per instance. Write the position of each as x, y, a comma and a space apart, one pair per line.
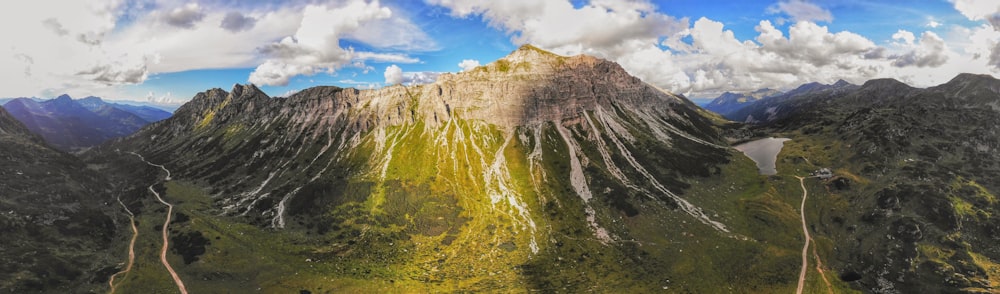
805, 231
131, 248
805, 247
166, 224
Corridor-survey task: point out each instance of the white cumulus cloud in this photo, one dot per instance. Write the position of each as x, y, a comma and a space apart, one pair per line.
930, 51
51, 51
468, 64
165, 99
393, 75
560, 26
98, 47
315, 46
983, 10
978, 9
905, 36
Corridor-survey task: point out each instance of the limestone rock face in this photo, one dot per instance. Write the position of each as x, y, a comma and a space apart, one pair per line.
527, 87
531, 86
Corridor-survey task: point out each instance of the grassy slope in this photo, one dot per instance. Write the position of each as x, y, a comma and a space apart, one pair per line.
429, 225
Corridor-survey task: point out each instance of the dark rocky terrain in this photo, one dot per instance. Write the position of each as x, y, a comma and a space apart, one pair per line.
913, 208
56, 216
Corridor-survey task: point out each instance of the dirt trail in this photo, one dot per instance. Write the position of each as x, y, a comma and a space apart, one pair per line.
805, 231
166, 225
805, 247
131, 248
819, 268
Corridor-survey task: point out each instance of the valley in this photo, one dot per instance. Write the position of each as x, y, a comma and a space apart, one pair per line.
166, 227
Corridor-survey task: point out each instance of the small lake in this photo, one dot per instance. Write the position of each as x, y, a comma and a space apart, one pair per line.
764, 152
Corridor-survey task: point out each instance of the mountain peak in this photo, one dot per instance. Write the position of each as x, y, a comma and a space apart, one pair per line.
841, 83
64, 101
884, 89
964, 79
530, 53
971, 76
528, 49
247, 90
885, 83
26, 102
978, 90
92, 103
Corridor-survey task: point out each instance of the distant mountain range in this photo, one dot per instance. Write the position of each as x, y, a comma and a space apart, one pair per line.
71, 125
161, 106
758, 106
729, 102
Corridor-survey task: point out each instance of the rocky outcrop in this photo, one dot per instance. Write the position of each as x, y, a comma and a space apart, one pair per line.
11, 127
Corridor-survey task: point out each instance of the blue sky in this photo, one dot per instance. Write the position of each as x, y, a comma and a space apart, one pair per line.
168, 50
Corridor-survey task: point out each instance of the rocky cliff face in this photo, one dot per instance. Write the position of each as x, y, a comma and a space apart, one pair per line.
528, 87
